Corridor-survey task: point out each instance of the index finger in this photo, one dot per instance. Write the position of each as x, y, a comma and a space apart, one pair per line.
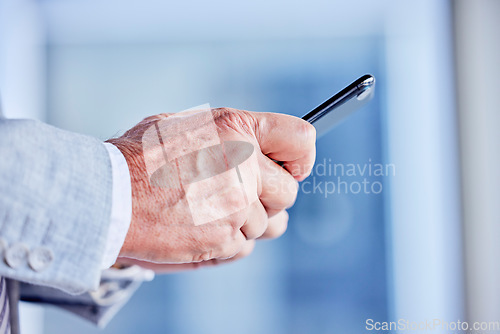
288, 139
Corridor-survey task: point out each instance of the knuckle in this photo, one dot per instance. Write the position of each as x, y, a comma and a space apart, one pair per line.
223, 235
290, 202
204, 256
234, 201
284, 224
278, 226
234, 119
261, 231
232, 248
286, 195
226, 242
279, 232
229, 251
256, 229
263, 224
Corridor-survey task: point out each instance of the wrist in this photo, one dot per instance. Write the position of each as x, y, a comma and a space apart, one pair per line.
127, 149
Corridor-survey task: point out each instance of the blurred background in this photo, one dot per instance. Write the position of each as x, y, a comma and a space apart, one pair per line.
423, 248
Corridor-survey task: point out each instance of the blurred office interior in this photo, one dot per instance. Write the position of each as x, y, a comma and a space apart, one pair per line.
425, 247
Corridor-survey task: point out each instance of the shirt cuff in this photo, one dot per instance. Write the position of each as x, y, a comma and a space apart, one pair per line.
121, 206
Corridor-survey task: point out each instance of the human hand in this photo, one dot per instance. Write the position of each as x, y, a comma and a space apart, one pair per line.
165, 225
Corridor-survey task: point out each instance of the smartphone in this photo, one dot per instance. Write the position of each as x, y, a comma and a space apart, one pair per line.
334, 110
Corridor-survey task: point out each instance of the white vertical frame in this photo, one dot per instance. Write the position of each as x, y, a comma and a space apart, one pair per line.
424, 231
478, 70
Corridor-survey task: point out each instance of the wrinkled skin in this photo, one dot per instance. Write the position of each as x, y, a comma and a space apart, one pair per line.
162, 235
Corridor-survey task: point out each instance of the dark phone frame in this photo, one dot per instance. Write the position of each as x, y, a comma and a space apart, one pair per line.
346, 94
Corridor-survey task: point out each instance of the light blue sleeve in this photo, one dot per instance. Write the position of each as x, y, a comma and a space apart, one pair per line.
55, 204
99, 306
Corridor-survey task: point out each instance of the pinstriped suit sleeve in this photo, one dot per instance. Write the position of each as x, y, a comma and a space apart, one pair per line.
55, 196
